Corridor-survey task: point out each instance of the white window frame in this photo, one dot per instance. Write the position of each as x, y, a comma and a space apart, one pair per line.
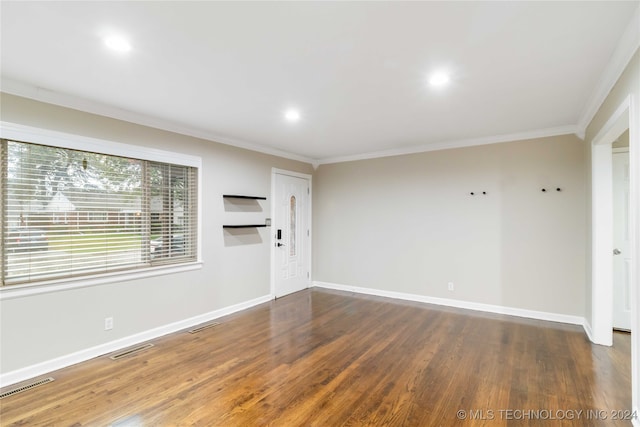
22, 133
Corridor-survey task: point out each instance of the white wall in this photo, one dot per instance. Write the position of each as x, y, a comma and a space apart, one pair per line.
39, 328
408, 224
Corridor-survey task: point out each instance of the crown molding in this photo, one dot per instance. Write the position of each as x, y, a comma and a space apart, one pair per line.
626, 48
461, 143
25, 90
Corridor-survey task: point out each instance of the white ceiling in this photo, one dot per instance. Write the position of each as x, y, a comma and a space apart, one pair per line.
357, 71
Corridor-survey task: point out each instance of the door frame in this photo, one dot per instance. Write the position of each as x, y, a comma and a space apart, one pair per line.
272, 240
625, 116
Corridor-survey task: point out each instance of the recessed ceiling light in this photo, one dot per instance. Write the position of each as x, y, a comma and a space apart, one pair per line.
117, 43
292, 115
439, 79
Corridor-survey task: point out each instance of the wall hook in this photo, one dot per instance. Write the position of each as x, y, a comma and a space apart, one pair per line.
558, 189
472, 193
544, 190
484, 192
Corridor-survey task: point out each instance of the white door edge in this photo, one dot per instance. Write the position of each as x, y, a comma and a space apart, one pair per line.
621, 239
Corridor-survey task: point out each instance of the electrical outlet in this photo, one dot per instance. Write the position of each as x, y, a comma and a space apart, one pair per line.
450, 286
108, 323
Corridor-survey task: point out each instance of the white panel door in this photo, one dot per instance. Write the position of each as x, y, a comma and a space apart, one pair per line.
621, 241
291, 232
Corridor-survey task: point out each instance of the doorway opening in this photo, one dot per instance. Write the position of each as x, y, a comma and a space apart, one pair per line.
624, 119
621, 235
603, 225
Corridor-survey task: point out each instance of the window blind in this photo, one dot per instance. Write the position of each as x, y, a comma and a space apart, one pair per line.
68, 213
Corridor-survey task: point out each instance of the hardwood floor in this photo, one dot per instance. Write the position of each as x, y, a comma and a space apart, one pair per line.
328, 358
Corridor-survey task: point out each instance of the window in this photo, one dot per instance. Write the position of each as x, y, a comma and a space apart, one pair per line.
69, 213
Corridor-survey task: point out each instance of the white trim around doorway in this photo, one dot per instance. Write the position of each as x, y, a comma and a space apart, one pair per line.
625, 116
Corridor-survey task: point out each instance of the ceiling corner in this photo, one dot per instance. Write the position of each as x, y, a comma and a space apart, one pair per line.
626, 48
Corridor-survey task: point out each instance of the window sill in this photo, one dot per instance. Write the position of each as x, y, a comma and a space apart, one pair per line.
19, 291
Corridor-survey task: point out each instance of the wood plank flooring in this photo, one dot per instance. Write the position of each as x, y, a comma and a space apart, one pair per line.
329, 358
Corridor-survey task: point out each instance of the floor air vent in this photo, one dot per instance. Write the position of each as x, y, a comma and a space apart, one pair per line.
130, 351
202, 328
25, 387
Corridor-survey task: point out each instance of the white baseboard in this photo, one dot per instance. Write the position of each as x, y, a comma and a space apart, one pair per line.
42, 368
468, 305
587, 330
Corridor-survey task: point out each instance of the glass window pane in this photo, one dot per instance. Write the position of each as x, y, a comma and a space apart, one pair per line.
292, 226
69, 213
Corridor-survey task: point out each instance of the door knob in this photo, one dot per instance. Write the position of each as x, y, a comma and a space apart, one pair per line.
616, 251
279, 244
